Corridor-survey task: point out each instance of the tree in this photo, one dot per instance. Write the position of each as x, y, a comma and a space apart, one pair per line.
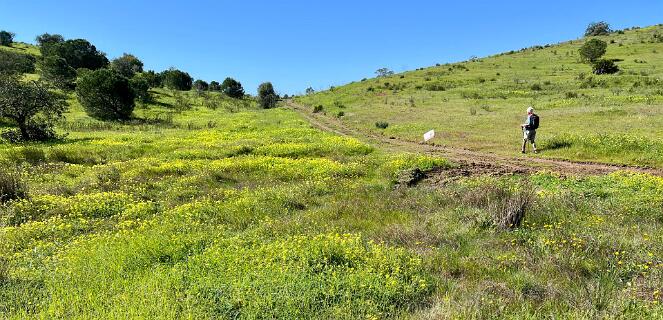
600, 28
105, 95
127, 65
384, 72
32, 107
267, 97
14, 62
48, 39
200, 85
177, 80
233, 88
141, 88
593, 50
6, 38
214, 86
55, 70
310, 90
605, 66
153, 79
78, 53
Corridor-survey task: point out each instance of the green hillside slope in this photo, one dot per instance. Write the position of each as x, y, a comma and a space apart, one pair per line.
480, 104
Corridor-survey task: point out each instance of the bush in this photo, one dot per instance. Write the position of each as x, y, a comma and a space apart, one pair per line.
127, 65
267, 97
593, 50
318, 108
106, 95
6, 38
214, 86
232, 88
177, 80
154, 80
31, 155
12, 186
536, 87
31, 106
182, 102
605, 66
200, 85
141, 89
381, 125
55, 70
571, 95
601, 28
13, 63
340, 114
78, 53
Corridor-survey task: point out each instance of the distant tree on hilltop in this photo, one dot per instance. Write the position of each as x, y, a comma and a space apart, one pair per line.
592, 50
177, 80
310, 90
127, 65
200, 85
78, 53
214, 86
232, 88
267, 97
6, 38
48, 39
600, 28
384, 72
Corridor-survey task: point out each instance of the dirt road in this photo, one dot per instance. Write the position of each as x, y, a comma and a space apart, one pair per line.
470, 161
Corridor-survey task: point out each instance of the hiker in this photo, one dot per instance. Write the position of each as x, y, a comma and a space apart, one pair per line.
529, 129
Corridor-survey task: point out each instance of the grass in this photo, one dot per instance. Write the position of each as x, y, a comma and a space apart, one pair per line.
209, 207
480, 104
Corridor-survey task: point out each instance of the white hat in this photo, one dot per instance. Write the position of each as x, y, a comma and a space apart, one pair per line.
530, 109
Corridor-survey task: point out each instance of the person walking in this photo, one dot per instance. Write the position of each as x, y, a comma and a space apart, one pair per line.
529, 129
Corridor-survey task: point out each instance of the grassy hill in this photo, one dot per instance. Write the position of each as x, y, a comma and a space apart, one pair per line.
480, 104
205, 210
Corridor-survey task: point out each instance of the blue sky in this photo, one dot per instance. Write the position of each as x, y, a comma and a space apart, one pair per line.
296, 44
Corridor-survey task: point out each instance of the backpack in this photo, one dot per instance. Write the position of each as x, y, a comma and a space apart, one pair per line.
535, 122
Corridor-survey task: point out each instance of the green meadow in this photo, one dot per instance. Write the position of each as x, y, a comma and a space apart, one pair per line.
479, 104
202, 206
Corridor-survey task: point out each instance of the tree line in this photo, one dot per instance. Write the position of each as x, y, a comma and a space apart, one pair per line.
106, 89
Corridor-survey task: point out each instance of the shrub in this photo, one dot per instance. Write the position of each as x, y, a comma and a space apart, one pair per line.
571, 95
382, 125
593, 50
154, 80
473, 111
31, 155
200, 85
141, 88
601, 28
182, 102
127, 65
6, 38
31, 106
13, 62
232, 88
78, 53
176, 80
12, 186
214, 86
106, 95
318, 108
605, 66
55, 70
267, 97
340, 114
536, 87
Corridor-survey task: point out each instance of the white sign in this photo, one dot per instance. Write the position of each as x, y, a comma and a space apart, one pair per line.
429, 135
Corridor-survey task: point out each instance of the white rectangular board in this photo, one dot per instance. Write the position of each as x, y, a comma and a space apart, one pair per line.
429, 135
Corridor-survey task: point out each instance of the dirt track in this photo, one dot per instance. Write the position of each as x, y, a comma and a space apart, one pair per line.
471, 162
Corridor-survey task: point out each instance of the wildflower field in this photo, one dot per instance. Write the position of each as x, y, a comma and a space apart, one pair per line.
239, 212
